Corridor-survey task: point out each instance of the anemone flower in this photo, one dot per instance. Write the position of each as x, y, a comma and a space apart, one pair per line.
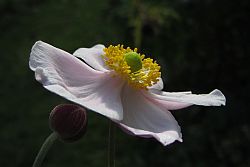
118, 83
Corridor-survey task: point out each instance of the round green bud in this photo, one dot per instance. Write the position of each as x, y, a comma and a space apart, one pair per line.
133, 59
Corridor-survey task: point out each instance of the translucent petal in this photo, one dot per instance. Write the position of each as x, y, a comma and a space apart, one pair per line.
92, 56
67, 76
144, 118
159, 85
184, 99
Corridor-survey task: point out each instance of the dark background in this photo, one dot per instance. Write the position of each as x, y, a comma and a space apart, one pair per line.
200, 44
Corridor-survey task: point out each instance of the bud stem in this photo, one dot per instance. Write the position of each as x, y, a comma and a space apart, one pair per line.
111, 145
44, 149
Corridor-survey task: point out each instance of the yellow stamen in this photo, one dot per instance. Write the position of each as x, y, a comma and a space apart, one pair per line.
143, 77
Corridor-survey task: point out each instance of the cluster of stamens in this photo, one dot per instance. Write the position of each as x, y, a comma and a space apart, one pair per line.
140, 73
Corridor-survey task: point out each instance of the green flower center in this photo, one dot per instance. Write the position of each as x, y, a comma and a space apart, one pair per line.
140, 72
133, 59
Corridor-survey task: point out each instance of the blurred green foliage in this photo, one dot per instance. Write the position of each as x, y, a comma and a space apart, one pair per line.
201, 45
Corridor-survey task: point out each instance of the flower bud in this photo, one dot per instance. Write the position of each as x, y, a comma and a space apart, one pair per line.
69, 121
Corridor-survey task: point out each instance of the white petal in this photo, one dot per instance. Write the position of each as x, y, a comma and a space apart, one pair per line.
144, 118
67, 76
158, 85
92, 56
215, 98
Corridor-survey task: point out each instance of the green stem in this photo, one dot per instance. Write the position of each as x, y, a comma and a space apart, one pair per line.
44, 149
138, 23
138, 32
111, 145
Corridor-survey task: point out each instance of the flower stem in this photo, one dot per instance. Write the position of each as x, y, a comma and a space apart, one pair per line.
44, 149
138, 32
138, 23
111, 145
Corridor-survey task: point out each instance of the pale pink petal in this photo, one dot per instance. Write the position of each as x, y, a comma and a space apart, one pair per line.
144, 118
67, 76
159, 85
92, 56
178, 100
